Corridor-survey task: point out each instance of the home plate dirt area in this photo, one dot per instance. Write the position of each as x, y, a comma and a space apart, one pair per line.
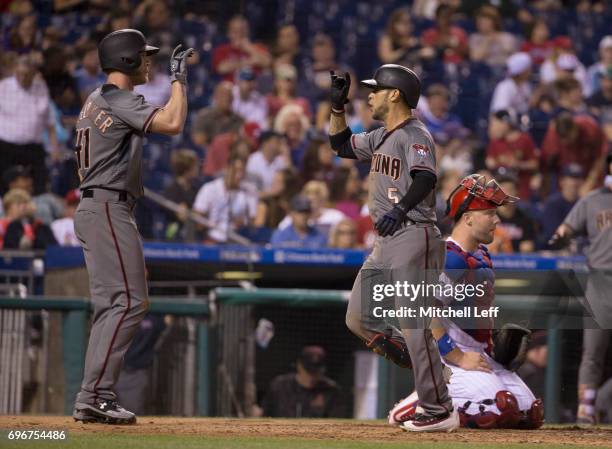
314, 431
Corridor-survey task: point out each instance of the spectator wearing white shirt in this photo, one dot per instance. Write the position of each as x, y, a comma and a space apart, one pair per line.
271, 157
24, 117
565, 66
322, 217
248, 103
63, 228
597, 71
514, 92
157, 89
229, 202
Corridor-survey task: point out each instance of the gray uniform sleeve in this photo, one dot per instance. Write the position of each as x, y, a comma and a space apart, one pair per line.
577, 218
420, 153
132, 110
364, 144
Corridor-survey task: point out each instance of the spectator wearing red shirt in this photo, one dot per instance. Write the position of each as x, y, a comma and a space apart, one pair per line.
345, 190
575, 140
19, 229
284, 91
239, 51
450, 41
539, 46
511, 148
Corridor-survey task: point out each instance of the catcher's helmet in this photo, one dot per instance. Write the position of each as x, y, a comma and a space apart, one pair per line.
121, 50
474, 193
396, 76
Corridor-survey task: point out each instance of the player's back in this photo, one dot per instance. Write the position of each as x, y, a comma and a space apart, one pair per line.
110, 128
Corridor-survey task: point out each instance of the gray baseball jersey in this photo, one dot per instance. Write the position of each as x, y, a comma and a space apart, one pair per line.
110, 130
592, 215
408, 255
394, 155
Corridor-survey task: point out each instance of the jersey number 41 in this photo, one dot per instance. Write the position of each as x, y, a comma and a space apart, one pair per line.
82, 148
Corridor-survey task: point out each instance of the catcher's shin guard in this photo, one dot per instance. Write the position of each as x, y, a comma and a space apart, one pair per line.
482, 420
534, 417
391, 350
509, 413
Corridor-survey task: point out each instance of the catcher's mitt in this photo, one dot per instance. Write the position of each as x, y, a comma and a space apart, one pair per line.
510, 346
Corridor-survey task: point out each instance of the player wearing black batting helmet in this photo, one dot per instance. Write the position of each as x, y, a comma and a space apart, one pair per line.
122, 50
403, 175
110, 130
393, 76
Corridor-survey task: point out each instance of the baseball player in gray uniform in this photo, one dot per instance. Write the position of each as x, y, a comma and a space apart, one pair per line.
592, 215
110, 130
402, 206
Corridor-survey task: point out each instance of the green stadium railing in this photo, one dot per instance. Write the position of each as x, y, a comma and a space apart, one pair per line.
386, 391
75, 313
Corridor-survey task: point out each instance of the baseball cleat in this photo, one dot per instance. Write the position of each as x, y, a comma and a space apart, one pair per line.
585, 416
446, 422
404, 410
103, 411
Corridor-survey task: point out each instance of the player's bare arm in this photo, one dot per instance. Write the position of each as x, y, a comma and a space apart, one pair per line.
468, 360
170, 120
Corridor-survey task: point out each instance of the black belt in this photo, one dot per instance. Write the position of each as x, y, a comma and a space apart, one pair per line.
119, 195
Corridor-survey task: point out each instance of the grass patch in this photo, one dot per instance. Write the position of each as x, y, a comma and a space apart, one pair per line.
85, 441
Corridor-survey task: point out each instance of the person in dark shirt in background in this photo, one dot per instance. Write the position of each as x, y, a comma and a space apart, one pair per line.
306, 393
183, 190
533, 371
132, 388
557, 206
519, 226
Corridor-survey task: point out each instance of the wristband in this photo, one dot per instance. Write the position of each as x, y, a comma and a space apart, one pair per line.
337, 111
445, 345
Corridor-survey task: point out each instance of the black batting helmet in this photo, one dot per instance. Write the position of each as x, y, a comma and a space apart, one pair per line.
121, 50
396, 76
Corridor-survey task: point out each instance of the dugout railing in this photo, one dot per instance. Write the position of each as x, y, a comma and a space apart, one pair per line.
75, 315
21, 274
237, 321
225, 364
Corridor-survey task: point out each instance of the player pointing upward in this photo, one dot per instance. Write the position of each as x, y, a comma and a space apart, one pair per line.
402, 204
110, 130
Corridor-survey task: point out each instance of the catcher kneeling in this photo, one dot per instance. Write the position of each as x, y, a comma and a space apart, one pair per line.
483, 385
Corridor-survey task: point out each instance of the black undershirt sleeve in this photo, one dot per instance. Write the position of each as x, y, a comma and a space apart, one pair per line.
423, 183
341, 143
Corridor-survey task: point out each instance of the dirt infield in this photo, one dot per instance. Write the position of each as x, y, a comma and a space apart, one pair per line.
333, 430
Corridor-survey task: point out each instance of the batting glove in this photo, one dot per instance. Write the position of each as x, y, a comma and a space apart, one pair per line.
340, 86
178, 64
391, 221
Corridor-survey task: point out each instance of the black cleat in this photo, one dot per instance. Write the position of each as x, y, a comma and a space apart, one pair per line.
102, 411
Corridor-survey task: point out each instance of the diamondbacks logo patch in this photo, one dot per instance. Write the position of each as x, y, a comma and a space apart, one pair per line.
421, 150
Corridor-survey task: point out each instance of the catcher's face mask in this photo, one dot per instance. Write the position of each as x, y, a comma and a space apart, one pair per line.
475, 193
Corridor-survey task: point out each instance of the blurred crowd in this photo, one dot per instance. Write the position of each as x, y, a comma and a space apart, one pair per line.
520, 90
